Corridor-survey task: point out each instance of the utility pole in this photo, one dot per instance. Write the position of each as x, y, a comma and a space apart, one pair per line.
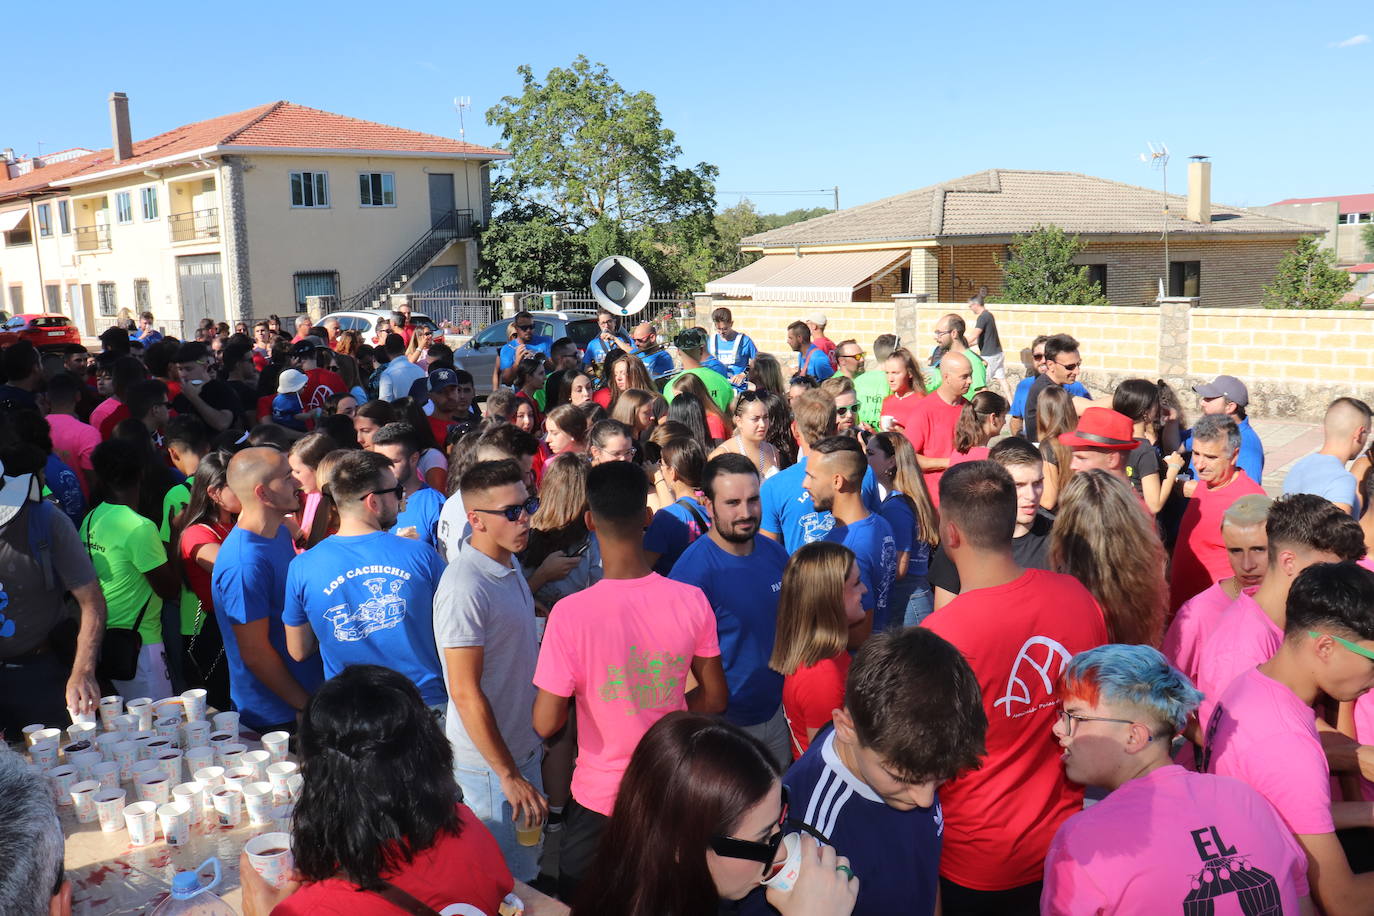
837, 197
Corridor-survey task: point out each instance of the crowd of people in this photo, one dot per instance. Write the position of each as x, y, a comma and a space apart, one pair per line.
843, 630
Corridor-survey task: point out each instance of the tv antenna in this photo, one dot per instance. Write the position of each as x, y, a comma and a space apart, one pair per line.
1159, 159
462, 103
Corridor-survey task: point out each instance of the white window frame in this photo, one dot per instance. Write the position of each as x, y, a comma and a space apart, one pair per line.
124, 204
146, 196
385, 179
319, 182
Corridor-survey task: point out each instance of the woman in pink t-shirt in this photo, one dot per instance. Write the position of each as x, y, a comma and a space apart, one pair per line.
908, 387
981, 419
819, 607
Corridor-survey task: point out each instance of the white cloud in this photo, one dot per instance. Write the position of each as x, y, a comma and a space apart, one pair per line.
1352, 41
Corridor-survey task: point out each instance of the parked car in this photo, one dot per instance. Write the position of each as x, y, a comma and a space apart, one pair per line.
364, 321
479, 354
42, 330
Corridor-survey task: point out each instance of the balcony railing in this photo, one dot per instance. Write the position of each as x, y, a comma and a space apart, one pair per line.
198, 224
92, 238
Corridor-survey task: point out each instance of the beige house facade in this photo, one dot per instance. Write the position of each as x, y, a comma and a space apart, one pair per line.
238, 217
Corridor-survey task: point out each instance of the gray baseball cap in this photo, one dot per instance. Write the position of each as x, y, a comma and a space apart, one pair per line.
1225, 386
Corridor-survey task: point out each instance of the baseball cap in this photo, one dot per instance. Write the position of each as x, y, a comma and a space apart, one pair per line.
306, 347
291, 381
442, 378
1100, 427
1225, 386
691, 339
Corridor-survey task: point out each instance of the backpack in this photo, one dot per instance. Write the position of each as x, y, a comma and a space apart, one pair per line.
40, 540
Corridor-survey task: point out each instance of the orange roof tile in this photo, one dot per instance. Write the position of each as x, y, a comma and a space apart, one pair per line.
279, 124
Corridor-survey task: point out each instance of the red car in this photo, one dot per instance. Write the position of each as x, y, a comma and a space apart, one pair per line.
42, 330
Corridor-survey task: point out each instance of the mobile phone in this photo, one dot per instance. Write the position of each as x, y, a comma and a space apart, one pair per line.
577, 550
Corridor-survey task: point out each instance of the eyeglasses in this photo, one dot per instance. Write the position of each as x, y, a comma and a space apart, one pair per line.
1353, 647
846, 410
765, 852
940, 333
513, 513
858, 355
1070, 720
398, 491
623, 455
524, 327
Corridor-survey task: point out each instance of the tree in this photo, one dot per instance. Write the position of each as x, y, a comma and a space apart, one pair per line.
1367, 237
1041, 271
1307, 278
525, 247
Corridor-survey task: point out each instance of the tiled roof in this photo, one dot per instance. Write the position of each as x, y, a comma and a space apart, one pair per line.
282, 125
1001, 202
1366, 268
1348, 203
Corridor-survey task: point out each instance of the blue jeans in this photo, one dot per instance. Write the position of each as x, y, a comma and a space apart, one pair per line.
482, 793
919, 606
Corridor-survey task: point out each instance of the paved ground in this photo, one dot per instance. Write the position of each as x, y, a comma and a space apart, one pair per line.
1285, 441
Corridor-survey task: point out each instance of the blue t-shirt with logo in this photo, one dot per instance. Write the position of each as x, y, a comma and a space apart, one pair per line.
598, 348
538, 343
875, 549
815, 363
248, 584
422, 510
789, 512
659, 363
743, 592
370, 600
735, 354
672, 528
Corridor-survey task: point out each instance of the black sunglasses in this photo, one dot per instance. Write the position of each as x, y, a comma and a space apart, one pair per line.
764, 853
513, 513
524, 327
397, 491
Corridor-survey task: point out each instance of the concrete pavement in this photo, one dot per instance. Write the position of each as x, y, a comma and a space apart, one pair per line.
1285, 441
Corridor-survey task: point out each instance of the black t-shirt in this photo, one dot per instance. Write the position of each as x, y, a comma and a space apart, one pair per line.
247, 394
1040, 384
1031, 551
989, 343
217, 394
1142, 462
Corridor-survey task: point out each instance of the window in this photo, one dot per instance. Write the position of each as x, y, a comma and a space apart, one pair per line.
315, 283
904, 280
1185, 278
1097, 276
64, 217
124, 207
143, 300
17, 297
377, 189
108, 304
53, 293
149, 198
44, 221
309, 189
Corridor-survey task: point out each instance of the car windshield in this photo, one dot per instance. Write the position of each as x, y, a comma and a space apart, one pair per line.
493, 334
51, 321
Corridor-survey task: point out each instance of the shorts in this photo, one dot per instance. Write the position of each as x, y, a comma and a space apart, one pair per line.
997, 364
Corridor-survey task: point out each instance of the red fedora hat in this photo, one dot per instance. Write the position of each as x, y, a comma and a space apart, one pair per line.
1101, 427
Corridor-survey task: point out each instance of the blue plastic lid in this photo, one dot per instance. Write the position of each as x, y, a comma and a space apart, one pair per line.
185, 884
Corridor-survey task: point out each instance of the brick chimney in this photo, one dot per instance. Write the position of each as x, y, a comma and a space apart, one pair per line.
1200, 190
123, 144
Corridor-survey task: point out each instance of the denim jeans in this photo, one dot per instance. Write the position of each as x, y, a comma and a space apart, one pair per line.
482, 793
919, 606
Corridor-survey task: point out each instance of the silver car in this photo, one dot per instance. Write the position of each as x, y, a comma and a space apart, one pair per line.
480, 354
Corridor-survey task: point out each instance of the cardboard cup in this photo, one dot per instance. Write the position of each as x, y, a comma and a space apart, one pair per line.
228, 805
276, 744
227, 722
141, 819
258, 760
194, 702
277, 775
109, 809
154, 787
106, 772
175, 818
257, 800
62, 779
193, 793
83, 800
270, 856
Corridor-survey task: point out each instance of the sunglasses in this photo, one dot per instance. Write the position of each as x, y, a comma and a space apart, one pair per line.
764, 853
844, 411
513, 513
1353, 647
1067, 367
397, 491
524, 327
1038, 357
859, 355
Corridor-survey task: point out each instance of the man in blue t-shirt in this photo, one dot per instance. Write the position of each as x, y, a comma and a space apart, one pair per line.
268, 687
364, 596
735, 351
741, 574
789, 515
524, 344
422, 504
834, 479
811, 359
608, 339
869, 789
659, 362
1023, 387
1227, 395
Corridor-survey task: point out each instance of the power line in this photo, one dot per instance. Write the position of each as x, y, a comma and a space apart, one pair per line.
782, 193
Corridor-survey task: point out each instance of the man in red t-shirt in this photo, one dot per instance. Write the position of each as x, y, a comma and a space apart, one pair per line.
312, 357
1200, 557
1018, 628
931, 430
817, 324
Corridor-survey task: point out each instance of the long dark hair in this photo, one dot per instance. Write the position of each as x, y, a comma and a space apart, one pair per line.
690, 412
780, 428
211, 474
968, 432
696, 773
379, 786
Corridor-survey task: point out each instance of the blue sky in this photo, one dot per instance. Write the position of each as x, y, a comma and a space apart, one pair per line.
878, 99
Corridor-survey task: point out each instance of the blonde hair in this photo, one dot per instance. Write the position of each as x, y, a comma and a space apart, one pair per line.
811, 619
1104, 538
626, 407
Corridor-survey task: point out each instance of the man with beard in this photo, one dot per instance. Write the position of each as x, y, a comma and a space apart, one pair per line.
740, 572
834, 479
364, 596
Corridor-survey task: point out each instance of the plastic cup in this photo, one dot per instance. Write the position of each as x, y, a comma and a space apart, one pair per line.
786, 878
529, 836
83, 800
228, 805
294, 784
126, 724
257, 800
197, 758
83, 761
231, 755
168, 727
227, 722
46, 734
142, 768
194, 702
82, 731
193, 793
43, 753
170, 761
62, 779
82, 718
153, 787
143, 708
141, 819
210, 777
158, 745
109, 809
219, 739
176, 822
258, 760
111, 708
277, 775
238, 776
276, 744
196, 734
105, 744
169, 708
126, 755
270, 856
106, 772
30, 733
281, 817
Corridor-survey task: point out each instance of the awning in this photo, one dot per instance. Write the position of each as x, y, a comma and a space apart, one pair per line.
828, 277
10, 219
741, 283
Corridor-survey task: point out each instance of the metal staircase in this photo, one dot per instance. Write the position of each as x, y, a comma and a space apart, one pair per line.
455, 225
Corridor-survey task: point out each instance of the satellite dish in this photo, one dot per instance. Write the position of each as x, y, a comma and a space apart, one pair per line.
620, 285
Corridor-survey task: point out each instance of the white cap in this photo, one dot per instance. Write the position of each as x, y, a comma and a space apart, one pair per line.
818, 319
291, 381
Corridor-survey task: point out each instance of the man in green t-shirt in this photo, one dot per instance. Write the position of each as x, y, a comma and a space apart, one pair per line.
131, 564
949, 338
691, 348
869, 387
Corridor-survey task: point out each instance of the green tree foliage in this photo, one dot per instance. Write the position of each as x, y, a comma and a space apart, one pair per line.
1367, 237
1307, 278
526, 247
1041, 271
